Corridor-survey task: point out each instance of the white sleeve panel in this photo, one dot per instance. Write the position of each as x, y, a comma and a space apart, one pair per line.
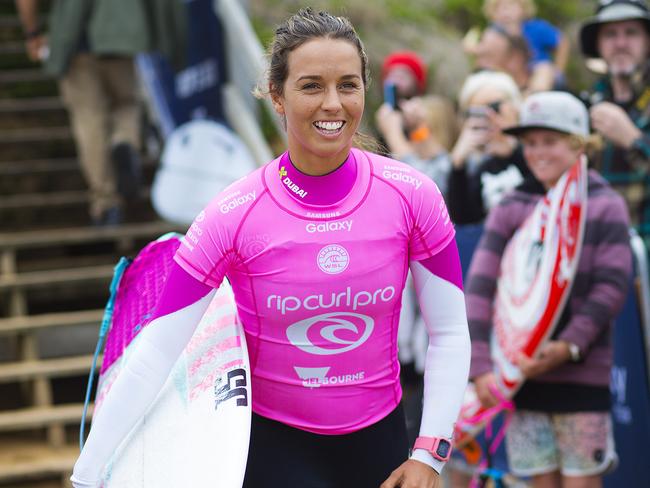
159, 346
442, 305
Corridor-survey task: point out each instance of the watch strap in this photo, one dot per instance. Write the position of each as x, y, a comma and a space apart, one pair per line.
438, 447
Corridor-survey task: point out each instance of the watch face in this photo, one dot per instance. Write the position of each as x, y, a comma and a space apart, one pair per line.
444, 446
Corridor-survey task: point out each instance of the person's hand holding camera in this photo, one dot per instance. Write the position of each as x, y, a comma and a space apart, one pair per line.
474, 135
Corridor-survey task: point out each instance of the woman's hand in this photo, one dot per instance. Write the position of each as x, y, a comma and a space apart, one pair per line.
473, 137
413, 474
552, 354
485, 385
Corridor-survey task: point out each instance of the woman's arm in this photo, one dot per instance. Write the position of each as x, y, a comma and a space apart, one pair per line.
181, 306
438, 282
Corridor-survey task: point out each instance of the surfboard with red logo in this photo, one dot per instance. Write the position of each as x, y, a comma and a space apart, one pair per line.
536, 275
196, 433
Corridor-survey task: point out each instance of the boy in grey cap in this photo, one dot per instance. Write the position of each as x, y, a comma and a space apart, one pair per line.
619, 33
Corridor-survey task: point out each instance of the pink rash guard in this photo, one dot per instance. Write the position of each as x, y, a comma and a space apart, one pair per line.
317, 265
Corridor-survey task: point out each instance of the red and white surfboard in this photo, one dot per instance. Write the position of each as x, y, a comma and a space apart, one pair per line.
537, 271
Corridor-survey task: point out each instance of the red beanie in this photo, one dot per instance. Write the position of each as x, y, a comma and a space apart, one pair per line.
409, 59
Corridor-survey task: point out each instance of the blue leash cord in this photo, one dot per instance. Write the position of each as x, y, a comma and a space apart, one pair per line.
119, 269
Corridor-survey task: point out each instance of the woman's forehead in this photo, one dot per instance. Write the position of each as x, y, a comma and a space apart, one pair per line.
321, 56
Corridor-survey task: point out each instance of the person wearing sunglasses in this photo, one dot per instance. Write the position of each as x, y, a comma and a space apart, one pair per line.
486, 162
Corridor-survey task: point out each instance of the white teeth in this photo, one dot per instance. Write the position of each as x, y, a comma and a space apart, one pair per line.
329, 125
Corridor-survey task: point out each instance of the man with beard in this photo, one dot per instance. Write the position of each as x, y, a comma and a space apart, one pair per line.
619, 33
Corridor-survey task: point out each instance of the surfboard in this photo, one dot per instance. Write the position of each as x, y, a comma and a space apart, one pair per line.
196, 432
536, 275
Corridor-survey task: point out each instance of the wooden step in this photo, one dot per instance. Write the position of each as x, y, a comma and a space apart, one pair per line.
37, 417
24, 75
83, 235
47, 368
37, 104
37, 166
12, 47
48, 279
23, 459
15, 325
35, 135
44, 200
9, 21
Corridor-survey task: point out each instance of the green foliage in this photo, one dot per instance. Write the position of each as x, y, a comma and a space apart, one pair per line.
464, 14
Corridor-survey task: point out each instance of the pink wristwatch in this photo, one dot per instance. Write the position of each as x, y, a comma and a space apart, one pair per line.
439, 447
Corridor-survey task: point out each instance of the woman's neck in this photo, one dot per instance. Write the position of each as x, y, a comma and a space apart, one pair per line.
325, 189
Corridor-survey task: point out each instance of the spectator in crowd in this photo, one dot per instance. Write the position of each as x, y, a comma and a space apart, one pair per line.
561, 432
89, 46
421, 133
486, 162
548, 47
498, 50
619, 33
407, 71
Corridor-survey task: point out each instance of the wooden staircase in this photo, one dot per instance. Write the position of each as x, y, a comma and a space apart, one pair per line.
55, 269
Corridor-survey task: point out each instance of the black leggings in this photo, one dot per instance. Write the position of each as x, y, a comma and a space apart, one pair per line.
284, 457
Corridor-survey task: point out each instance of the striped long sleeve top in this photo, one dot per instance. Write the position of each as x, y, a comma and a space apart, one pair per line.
598, 292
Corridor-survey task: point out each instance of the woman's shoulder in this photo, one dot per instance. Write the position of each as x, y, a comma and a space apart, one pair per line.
399, 174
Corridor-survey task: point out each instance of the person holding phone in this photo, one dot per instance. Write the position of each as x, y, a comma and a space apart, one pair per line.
403, 76
485, 161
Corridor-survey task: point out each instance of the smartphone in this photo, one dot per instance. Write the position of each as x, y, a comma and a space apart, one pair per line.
390, 94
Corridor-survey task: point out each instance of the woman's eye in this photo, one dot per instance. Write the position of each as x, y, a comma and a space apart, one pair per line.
349, 86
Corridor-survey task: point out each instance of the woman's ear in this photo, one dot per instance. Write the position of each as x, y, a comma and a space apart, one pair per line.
277, 100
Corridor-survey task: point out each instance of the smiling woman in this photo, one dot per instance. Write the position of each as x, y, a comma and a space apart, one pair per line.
336, 230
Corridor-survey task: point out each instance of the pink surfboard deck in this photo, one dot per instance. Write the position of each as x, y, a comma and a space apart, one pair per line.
196, 433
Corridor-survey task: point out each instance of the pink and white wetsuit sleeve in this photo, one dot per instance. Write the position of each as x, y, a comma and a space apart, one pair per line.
438, 282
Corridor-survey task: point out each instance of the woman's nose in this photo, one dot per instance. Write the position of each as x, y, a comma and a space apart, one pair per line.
332, 100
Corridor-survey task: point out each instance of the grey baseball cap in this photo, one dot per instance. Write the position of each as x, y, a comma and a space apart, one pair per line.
554, 110
610, 11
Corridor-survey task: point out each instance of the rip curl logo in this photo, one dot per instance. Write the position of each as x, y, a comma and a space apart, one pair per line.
331, 333
351, 299
333, 259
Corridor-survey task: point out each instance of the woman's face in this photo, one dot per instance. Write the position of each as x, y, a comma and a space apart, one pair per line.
548, 154
322, 100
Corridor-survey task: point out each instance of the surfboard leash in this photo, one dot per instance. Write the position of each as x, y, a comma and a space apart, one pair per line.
118, 272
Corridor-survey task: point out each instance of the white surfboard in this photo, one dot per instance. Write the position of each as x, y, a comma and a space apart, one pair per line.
196, 432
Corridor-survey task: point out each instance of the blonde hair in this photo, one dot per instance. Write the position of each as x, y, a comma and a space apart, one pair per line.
441, 119
496, 79
528, 7
589, 144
